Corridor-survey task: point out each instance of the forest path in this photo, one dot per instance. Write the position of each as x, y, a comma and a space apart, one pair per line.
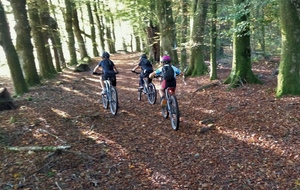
255, 143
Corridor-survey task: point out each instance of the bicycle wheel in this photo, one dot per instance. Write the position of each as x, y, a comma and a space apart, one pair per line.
113, 101
164, 111
174, 112
105, 101
151, 93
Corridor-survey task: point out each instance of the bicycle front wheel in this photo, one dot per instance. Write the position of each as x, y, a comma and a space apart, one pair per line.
114, 101
151, 93
174, 112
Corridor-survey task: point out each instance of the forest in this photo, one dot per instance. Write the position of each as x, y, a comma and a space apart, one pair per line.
238, 95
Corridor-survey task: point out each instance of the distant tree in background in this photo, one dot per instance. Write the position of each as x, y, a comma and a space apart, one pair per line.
241, 71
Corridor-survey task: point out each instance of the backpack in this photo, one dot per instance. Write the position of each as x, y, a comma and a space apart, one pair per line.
168, 72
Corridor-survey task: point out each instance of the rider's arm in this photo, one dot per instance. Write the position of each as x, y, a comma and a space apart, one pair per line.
134, 68
96, 68
116, 70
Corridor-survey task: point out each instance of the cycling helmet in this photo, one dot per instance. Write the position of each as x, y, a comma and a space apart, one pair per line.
166, 59
144, 56
105, 55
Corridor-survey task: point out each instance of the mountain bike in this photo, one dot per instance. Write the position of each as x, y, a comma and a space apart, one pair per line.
171, 109
148, 89
110, 98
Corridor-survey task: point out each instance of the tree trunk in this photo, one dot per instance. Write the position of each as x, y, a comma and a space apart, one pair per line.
197, 66
69, 29
167, 29
23, 42
16, 73
288, 77
77, 32
183, 37
213, 42
44, 15
100, 24
241, 71
93, 32
39, 40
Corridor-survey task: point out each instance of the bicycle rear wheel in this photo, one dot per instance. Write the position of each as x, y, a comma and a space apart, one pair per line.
174, 112
105, 101
114, 101
151, 93
164, 111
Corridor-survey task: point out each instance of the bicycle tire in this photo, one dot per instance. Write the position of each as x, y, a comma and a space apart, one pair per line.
164, 110
151, 93
140, 94
105, 101
113, 101
174, 112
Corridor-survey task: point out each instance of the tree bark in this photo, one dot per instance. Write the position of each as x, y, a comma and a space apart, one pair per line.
69, 29
16, 73
241, 71
213, 41
23, 42
167, 29
93, 31
288, 77
197, 65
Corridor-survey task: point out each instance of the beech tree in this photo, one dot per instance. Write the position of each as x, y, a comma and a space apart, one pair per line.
289, 77
241, 71
197, 65
23, 42
16, 73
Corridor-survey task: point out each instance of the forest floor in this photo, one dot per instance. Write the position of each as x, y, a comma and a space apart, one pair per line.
254, 142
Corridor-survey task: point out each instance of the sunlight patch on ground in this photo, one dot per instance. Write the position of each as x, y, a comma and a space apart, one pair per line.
267, 142
73, 91
61, 113
100, 139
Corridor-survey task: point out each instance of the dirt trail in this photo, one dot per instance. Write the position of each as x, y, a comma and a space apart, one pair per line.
250, 147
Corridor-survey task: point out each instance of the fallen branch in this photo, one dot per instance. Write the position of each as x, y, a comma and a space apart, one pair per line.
45, 131
42, 148
208, 86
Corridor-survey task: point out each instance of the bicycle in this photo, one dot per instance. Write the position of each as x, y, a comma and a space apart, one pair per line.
148, 89
110, 98
171, 109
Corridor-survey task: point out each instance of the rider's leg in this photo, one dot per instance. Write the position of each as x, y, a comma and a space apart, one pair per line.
162, 93
102, 85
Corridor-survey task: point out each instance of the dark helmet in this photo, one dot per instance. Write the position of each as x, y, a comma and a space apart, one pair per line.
144, 56
105, 55
166, 59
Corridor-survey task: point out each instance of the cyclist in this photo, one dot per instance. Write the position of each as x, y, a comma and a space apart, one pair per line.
109, 70
168, 77
146, 68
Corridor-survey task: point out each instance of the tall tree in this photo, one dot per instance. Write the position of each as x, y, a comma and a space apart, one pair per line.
167, 28
23, 42
197, 65
213, 41
184, 32
241, 71
69, 29
16, 73
77, 32
93, 31
44, 14
100, 23
39, 41
288, 77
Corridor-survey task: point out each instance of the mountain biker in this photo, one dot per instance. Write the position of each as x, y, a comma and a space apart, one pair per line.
146, 68
166, 82
109, 70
